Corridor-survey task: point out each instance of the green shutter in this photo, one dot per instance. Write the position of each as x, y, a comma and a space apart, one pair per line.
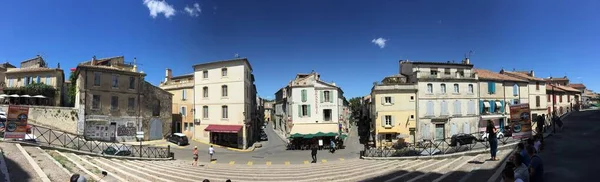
492, 106
322, 96
308, 110
331, 96
304, 96
493, 87
299, 110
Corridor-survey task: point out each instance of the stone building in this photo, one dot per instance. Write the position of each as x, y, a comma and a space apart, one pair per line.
182, 88
35, 70
269, 111
116, 102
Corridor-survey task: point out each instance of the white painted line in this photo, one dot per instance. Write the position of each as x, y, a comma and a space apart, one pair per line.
80, 166
101, 169
157, 173
456, 168
121, 171
435, 170
55, 162
33, 164
121, 165
410, 171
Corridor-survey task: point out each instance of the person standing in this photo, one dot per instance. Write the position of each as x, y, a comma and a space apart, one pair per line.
491, 130
211, 151
313, 153
332, 145
195, 153
536, 166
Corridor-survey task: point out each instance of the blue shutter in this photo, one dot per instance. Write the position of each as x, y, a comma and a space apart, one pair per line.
492, 106
490, 85
481, 106
493, 87
502, 108
37, 79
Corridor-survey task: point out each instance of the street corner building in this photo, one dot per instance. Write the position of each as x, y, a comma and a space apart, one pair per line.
117, 102
309, 108
225, 103
33, 83
182, 88
394, 111
447, 97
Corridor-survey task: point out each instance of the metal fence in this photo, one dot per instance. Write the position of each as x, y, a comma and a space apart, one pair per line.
54, 138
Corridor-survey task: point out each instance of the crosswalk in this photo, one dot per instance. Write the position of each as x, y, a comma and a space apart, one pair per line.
462, 168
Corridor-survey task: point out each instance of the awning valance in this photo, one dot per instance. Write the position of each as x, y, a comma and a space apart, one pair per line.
314, 130
223, 128
486, 104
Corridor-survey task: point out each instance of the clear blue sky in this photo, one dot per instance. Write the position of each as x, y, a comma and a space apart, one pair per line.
285, 37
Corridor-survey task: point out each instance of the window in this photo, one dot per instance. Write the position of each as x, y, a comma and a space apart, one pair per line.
96, 102
131, 82
456, 88
470, 88
183, 94
471, 107
185, 126
224, 91
549, 98
388, 120
491, 87
205, 92
537, 101
131, 103
115, 81
326, 96
537, 85
156, 108
433, 72
326, 114
114, 102
204, 111
304, 95
304, 110
460, 73
205, 74
388, 100
183, 110
560, 98
224, 113
10, 82
224, 72
412, 116
446, 71
37, 79
515, 89
568, 98
429, 88
412, 98
48, 80
97, 77
443, 88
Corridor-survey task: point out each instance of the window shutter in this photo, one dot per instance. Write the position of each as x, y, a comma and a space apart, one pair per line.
502, 107
515, 90
299, 110
37, 79
393, 100
430, 108
481, 107
490, 87
382, 100
393, 120
382, 120
322, 97
304, 95
492, 106
423, 129
466, 128
308, 110
331, 96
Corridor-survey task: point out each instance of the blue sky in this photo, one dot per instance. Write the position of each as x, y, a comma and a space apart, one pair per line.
337, 38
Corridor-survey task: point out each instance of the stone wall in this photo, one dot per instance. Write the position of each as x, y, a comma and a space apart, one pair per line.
156, 112
62, 118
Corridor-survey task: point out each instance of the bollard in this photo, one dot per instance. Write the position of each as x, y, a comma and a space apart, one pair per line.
169, 150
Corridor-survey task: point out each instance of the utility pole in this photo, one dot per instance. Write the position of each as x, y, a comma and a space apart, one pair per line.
553, 108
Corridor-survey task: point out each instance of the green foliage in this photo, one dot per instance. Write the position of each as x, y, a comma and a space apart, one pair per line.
72, 89
32, 90
355, 106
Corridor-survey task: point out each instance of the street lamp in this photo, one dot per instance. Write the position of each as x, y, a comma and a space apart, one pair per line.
553, 107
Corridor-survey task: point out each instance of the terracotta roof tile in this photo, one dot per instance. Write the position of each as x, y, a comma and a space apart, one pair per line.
25, 70
490, 75
522, 75
561, 88
577, 85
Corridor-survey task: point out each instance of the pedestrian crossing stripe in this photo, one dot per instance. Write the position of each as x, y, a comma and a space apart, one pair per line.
324, 161
287, 162
341, 159
213, 162
231, 162
250, 163
268, 163
305, 162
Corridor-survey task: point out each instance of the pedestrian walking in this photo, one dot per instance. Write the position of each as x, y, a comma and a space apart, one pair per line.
491, 130
211, 151
313, 153
332, 145
195, 154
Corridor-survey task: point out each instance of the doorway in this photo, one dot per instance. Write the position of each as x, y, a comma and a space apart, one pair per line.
439, 132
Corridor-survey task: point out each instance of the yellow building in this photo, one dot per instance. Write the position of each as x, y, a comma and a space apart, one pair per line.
35, 70
182, 88
394, 111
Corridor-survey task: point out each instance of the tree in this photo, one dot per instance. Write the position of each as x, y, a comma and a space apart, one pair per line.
356, 107
32, 89
72, 89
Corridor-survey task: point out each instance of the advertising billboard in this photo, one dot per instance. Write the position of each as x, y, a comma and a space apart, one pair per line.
16, 122
520, 121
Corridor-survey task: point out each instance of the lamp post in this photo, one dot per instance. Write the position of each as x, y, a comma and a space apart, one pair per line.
553, 107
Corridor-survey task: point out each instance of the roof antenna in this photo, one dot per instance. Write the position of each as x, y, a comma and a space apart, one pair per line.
237, 55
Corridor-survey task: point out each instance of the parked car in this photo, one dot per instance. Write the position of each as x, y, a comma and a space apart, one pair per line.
178, 138
462, 139
29, 138
485, 135
117, 150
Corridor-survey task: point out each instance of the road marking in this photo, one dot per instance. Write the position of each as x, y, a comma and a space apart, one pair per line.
455, 169
287, 162
268, 163
213, 162
305, 162
341, 159
324, 161
435, 170
250, 163
231, 162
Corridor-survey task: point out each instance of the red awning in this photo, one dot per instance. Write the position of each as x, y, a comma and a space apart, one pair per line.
223, 128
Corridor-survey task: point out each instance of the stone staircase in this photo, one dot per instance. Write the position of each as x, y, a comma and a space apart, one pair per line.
52, 165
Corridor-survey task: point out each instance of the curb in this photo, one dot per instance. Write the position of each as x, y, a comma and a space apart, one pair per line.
443, 156
3, 167
250, 149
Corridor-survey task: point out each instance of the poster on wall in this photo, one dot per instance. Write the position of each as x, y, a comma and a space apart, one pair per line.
520, 121
16, 122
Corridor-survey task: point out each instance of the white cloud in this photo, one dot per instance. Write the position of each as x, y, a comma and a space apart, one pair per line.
379, 42
193, 11
159, 6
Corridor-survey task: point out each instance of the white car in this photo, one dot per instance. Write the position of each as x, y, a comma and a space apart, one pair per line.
485, 135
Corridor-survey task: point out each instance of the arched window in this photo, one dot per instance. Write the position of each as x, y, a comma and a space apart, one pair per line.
429, 88
515, 89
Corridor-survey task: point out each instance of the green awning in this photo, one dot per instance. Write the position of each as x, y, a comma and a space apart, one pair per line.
296, 135
331, 134
308, 136
343, 136
319, 134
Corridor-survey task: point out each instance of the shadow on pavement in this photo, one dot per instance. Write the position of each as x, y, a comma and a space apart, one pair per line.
404, 175
16, 172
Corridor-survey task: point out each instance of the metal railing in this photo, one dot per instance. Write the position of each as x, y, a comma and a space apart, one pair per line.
58, 139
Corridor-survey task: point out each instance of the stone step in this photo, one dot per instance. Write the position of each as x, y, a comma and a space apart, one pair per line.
54, 170
264, 167
76, 167
17, 164
400, 171
479, 169
375, 175
95, 168
415, 173
121, 172
132, 171
442, 169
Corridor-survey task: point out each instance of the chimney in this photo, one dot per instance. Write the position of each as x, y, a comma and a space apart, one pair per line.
467, 61
94, 60
532, 74
134, 64
168, 75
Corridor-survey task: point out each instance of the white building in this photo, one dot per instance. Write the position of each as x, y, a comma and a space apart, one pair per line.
447, 97
310, 105
224, 97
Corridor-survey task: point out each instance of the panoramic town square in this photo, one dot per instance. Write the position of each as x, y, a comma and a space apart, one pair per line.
370, 91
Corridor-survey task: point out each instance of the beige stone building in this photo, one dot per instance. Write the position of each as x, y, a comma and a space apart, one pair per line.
116, 102
35, 70
182, 88
269, 111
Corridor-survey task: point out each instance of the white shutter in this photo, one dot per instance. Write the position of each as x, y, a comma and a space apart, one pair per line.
453, 129
393, 100
393, 120
382, 100
466, 128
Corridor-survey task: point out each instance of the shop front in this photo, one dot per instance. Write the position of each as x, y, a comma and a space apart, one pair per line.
305, 136
226, 135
